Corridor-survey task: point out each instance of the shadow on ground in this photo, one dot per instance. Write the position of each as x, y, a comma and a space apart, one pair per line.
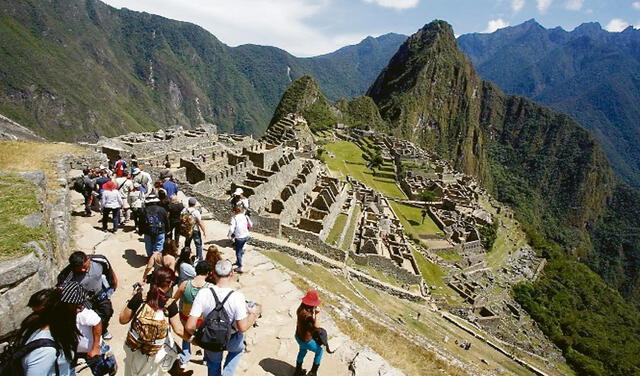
277, 367
133, 259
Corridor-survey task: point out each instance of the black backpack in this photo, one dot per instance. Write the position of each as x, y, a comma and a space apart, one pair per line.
11, 358
78, 184
217, 328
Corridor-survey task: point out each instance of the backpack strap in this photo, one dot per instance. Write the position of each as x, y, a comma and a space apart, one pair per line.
218, 302
34, 345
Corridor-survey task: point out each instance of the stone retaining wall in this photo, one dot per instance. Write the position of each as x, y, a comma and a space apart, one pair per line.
22, 276
312, 241
387, 266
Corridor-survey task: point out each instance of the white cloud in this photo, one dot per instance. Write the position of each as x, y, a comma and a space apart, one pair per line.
616, 25
574, 4
280, 23
543, 5
636, 4
396, 4
496, 24
517, 5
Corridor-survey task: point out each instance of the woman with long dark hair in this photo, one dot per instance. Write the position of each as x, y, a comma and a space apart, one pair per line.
57, 322
150, 320
184, 266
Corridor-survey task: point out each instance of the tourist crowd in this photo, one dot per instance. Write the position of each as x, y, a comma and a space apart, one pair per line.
181, 297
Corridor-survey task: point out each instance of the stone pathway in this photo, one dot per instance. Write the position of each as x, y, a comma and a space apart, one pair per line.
272, 348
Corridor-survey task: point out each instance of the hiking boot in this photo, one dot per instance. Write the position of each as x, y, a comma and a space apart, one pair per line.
299, 370
314, 370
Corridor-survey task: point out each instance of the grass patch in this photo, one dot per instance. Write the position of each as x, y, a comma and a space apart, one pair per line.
384, 277
411, 219
353, 224
28, 156
432, 275
348, 161
337, 229
449, 255
19, 199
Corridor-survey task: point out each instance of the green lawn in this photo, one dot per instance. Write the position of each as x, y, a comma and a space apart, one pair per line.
353, 225
411, 218
432, 275
337, 229
18, 200
348, 161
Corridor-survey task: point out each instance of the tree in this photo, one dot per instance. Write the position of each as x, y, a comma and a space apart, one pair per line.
428, 195
375, 161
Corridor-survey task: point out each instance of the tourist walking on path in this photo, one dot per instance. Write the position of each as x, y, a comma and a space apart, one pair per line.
306, 327
186, 294
239, 234
153, 225
89, 271
166, 171
125, 185
199, 232
165, 259
87, 191
111, 203
144, 179
175, 209
150, 321
49, 337
135, 198
170, 186
242, 317
184, 266
120, 167
238, 199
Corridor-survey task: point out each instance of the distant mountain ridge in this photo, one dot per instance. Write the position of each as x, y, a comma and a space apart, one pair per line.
79, 69
589, 73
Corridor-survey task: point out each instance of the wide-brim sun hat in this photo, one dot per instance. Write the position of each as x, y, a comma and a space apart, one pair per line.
238, 192
311, 298
151, 199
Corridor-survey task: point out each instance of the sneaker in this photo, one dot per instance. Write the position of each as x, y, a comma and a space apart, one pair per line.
107, 336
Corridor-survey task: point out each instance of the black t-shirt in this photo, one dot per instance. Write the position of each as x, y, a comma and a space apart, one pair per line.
137, 301
157, 211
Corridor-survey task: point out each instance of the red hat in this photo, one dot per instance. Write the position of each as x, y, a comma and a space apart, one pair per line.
110, 186
311, 299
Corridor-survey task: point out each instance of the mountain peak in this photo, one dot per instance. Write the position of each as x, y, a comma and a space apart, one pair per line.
588, 28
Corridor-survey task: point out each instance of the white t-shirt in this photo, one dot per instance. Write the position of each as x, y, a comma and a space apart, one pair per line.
195, 213
204, 303
85, 321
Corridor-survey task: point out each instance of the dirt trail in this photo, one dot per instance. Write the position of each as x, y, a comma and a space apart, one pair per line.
272, 348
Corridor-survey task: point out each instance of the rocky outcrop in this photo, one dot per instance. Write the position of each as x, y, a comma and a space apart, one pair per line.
369, 363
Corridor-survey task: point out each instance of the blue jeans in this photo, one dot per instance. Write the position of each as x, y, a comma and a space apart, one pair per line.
239, 247
186, 352
197, 241
235, 347
115, 213
153, 243
313, 346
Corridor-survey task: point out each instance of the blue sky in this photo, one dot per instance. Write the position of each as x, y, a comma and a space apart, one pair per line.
313, 27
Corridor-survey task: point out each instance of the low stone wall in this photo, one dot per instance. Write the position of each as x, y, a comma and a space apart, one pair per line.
22, 276
312, 241
387, 266
362, 277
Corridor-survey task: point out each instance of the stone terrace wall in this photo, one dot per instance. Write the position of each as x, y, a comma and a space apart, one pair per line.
21, 277
312, 241
293, 203
387, 266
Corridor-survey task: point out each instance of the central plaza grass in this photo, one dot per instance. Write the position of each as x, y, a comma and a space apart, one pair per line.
411, 218
337, 229
348, 160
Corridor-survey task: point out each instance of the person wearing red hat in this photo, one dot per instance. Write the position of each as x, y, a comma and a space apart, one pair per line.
307, 324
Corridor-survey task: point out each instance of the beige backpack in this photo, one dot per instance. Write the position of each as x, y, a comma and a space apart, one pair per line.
147, 332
